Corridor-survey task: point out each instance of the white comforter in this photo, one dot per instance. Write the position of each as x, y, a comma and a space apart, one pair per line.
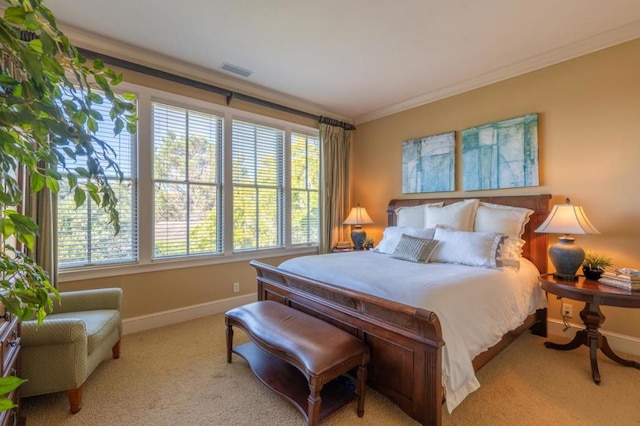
476, 306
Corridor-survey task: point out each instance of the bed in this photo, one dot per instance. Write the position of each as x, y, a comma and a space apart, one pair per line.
406, 342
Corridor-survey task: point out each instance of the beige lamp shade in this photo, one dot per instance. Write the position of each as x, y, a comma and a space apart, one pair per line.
567, 219
358, 216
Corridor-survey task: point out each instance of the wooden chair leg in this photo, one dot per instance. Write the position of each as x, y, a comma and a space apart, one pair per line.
116, 350
75, 399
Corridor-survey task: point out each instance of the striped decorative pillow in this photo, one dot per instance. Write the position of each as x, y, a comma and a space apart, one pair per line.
414, 249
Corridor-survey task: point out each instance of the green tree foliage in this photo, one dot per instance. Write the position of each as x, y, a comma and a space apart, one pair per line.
46, 117
186, 176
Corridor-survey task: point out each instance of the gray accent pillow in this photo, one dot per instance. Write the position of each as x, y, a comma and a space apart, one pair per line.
414, 249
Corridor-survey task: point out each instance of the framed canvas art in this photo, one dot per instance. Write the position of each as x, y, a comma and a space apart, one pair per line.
503, 154
428, 164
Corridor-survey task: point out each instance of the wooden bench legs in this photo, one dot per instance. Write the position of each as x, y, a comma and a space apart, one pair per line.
267, 366
315, 399
362, 383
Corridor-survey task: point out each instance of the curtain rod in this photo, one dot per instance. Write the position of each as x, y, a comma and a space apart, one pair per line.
230, 95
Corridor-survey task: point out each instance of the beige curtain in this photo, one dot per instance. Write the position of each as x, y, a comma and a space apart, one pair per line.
336, 146
42, 208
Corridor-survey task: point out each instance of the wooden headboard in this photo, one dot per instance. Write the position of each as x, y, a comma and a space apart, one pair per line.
536, 247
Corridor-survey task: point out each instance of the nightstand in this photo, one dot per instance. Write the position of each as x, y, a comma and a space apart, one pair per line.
342, 250
593, 294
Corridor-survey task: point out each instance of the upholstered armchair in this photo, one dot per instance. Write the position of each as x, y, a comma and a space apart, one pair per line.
60, 354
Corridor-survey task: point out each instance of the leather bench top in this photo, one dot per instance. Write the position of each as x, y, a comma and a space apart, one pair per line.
317, 346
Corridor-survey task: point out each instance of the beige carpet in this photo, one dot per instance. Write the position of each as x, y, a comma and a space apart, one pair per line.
178, 375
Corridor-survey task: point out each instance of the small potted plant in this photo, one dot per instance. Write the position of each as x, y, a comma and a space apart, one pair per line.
594, 265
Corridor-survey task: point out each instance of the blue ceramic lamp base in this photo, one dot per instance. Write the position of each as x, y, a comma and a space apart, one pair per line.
358, 236
566, 258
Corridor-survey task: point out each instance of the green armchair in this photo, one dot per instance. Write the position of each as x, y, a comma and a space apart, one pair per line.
59, 355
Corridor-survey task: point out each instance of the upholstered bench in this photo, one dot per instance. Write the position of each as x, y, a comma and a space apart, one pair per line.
283, 338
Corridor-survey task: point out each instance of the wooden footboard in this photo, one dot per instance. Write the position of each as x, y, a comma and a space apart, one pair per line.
405, 342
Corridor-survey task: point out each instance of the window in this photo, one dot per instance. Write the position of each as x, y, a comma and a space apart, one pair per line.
187, 179
258, 186
210, 184
85, 236
305, 178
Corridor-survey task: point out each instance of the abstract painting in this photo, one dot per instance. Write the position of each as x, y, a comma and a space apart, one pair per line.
428, 164
503, 154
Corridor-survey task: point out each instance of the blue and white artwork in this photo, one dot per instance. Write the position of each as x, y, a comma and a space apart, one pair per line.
501, 155
428, 164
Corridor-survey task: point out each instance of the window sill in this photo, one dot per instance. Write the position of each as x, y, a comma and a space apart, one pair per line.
176, 263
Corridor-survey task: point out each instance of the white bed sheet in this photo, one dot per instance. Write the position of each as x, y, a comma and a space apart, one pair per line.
475, 306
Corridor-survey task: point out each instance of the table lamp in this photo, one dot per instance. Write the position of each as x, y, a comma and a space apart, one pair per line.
358, 217
565, 256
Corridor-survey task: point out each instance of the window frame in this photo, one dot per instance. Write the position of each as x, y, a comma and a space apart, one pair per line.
144, 154
189, 183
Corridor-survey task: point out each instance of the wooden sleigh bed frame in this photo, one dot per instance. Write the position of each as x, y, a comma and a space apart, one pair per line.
405, 341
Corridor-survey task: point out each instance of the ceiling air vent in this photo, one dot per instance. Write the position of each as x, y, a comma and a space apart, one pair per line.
236, 69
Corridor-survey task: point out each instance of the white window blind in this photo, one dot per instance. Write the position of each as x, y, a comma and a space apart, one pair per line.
258, 186
84, 235
187, 147
305, 184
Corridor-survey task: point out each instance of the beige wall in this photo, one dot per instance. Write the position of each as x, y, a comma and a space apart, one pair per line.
154, 292
589, 150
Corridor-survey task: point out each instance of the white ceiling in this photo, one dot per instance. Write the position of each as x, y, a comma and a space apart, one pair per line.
362, 59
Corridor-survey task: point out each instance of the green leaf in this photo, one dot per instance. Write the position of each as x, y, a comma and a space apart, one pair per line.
53, 174
82, 172
6, 227
52, 184
9, 383
15, 15
36, 183
92, 124
119, 125
6, 403
98, 64
24, 222
95, 197
131, 128
72, 180
28, 239
117, 80
79, 196
36, 45
95, 98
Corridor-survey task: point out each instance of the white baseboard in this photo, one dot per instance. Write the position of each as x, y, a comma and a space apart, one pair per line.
174, 316
618, 342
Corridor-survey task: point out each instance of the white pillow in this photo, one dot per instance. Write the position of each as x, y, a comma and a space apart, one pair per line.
509, 252
412, 216
392, 235
459, 216
467, 248
506, 220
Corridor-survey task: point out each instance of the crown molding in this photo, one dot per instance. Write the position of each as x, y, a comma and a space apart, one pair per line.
601, 41
128, 52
